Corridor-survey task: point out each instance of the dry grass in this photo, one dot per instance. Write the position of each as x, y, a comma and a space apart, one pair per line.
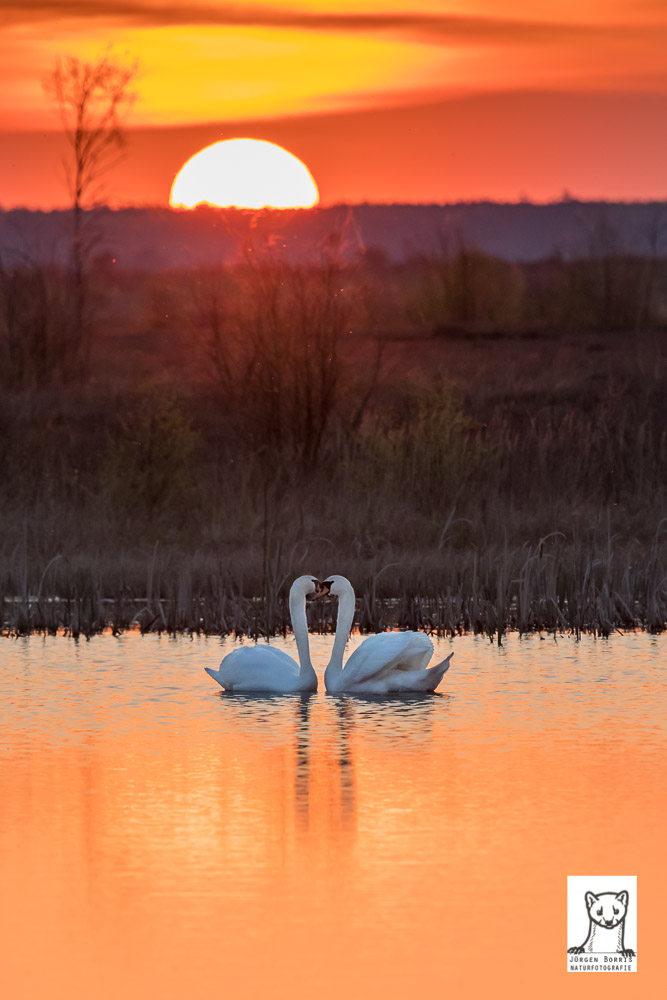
472, 478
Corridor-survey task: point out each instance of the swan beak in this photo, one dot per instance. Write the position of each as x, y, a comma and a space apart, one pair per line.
321, 589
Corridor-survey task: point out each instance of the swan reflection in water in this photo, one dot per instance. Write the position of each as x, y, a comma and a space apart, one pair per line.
322, 739
326, 770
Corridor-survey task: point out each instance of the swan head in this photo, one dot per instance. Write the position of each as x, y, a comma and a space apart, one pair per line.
337, 586
304, 586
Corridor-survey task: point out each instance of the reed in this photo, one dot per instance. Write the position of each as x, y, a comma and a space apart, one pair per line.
551, 587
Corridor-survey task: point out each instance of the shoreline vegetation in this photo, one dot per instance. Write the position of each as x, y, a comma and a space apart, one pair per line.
479, 446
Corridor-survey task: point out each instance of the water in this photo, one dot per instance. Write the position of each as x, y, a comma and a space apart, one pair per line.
158, 837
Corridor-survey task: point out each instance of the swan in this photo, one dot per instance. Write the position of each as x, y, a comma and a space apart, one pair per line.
265, 668
390, 662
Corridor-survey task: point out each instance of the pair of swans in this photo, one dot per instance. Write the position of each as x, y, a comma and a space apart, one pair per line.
391, 662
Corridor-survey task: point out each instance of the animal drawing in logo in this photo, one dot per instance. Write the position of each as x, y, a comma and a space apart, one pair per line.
606, 929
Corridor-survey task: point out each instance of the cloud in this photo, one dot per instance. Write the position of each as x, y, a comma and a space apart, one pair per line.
443, 29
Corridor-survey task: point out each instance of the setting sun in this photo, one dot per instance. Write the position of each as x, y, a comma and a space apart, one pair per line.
246, 173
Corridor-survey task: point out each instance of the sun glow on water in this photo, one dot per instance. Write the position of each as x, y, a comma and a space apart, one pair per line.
245, 173
150, 817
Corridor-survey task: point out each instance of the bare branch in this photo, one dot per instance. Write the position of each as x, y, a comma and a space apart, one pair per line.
93, 100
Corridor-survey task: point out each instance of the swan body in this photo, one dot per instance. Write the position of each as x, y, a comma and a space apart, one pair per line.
391, 662
264, 668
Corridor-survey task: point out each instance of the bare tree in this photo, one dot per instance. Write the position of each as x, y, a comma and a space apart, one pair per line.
93, 99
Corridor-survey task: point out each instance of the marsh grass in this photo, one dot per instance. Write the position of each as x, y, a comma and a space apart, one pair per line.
555, 585
493, 480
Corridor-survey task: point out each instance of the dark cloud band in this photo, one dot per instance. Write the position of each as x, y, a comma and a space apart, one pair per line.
434, 28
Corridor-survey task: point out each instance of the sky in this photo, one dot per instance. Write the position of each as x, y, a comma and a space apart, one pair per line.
386, 101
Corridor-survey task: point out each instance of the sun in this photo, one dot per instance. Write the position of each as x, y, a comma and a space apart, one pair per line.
245, 173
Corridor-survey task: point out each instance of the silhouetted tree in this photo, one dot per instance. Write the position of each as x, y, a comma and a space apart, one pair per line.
93, 99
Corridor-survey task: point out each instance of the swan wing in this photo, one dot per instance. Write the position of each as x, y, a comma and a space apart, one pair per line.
384, 655
256, 668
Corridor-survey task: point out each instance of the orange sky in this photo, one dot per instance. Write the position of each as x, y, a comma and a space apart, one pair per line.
431, 101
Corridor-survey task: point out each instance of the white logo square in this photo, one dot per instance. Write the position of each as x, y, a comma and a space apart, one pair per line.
602, 923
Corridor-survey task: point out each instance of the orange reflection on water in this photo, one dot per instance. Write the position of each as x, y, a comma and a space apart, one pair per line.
159, 836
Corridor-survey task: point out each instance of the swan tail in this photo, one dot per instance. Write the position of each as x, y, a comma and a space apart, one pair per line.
418, 680
436, 673
215, 674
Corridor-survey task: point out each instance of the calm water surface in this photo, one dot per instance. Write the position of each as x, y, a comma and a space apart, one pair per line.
160, 837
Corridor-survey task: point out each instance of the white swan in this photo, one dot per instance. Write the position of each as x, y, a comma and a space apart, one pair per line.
388, 662
265, 668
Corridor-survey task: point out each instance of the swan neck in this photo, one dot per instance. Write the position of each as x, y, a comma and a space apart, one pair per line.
343, 626
297, 609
